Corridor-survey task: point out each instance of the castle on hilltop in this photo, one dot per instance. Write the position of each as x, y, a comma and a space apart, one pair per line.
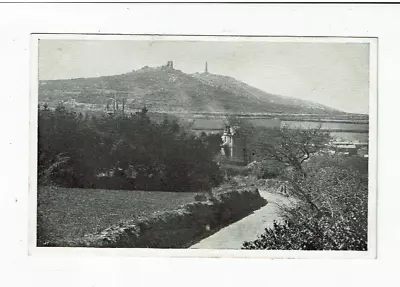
170, 66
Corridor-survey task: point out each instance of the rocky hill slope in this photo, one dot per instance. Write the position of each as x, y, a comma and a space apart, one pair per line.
165, 89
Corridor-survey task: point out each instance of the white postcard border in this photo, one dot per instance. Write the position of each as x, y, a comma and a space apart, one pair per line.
205, 253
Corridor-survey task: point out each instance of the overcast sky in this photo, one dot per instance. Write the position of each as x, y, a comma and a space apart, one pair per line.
333, 74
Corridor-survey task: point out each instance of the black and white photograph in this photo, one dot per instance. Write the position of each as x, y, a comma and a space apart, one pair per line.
227, 143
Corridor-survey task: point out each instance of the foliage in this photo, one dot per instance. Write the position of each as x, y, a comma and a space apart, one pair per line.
241, 126
276, 148
331, 214
243, 129
291, 147
357, 163
267, 169
232, 170
68, 149
331, 194
123, 151
212, 142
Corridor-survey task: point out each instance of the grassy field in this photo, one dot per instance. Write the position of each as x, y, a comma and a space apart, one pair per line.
71, 213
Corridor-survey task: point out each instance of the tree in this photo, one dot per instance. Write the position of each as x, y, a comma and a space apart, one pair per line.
123, 151
329, 211
143, 112
47, 167
292, 147
68, 148
212, 142
243, 128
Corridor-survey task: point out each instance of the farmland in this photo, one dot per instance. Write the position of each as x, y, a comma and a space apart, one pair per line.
70, 213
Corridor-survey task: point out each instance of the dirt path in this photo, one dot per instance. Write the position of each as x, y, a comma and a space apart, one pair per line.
246, 229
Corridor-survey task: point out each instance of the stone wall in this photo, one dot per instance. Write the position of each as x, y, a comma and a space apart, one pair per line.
179, 228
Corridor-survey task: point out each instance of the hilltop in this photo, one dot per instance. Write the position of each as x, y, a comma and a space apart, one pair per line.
167, 90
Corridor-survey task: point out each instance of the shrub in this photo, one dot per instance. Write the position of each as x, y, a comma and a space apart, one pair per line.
360, 164
332, 214
232, 170
267, 169
314, 232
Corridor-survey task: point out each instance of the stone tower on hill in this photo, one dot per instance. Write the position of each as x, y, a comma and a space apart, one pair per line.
170, 64
206, 69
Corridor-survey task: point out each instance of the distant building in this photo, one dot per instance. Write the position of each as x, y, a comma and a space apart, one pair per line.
350, 148
234, 147
227, 142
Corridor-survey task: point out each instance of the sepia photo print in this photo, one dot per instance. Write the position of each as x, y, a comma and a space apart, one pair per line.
244, 146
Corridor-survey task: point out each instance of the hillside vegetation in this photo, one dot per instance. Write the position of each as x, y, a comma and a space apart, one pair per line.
164, 89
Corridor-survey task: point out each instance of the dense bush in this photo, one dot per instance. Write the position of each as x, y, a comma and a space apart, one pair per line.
123, 152
267, 169
357, 163
232, 170
332, 214
312, 233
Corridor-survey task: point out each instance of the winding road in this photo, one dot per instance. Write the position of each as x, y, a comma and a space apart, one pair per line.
248, 228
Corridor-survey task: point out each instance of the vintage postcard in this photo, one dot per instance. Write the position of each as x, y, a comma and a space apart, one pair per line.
203, 146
